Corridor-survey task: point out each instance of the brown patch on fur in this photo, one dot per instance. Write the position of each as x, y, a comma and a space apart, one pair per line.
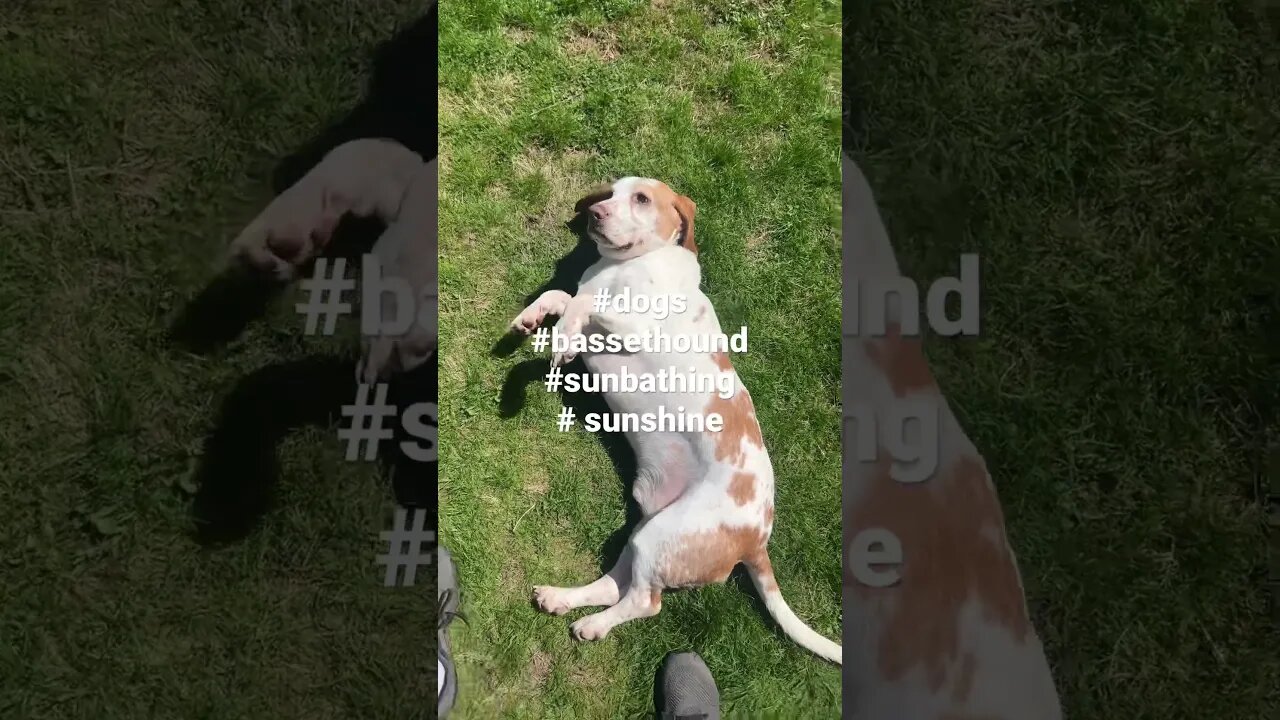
702, 312
739, 415
709, 556
686, 208
742, 488
655, 598
677, 212
768, 515
722, 361
902, 361
664, 199
764, 568
945, 527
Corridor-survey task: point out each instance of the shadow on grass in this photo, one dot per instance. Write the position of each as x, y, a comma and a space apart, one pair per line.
399, 103
221, 312
616, 447
238, 297
568, 271
239, 469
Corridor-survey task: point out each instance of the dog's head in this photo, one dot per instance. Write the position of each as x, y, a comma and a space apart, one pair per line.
635, 216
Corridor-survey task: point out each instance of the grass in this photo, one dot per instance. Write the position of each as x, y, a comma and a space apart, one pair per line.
1115, 165
136, 137
736, 105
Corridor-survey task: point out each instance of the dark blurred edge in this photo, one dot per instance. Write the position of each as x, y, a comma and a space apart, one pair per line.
239, 466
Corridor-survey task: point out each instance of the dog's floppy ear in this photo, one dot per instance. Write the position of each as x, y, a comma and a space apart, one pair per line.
686, 209
593, 196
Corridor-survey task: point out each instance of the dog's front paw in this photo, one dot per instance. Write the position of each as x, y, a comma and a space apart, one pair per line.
528, 321
561, 359
591, 627
288, 232
570, 330
551, 600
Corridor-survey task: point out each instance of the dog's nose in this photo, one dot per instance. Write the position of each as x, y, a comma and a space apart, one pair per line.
599, 211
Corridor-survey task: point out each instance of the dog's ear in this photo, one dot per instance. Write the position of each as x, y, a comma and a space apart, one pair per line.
595, 195
686, 209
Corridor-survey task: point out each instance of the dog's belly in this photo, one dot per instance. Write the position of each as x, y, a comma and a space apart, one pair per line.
671, 399
666, 461
623, 402
604, 363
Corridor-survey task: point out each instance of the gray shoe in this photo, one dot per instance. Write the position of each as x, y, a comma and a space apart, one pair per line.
688, 690
449, 598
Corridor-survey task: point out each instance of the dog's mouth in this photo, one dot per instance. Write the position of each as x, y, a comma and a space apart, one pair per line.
605, 244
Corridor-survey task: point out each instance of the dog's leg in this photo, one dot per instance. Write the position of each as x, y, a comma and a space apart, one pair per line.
551, 302
648, 491
666, 468
571, 324
653, 490
641, 599
605, 591
364, 177
652, 547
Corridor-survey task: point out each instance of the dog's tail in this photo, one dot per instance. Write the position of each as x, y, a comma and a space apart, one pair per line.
761, 572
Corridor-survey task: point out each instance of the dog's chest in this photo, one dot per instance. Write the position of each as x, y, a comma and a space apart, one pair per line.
670, 271
634, 278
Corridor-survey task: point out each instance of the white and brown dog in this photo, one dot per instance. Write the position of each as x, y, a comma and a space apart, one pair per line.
707, 498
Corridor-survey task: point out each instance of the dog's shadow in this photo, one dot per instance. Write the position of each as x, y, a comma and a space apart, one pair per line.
568, 270
622, 457
238, 469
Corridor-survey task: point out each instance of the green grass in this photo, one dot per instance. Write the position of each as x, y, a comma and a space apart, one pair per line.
736, 105
135, 137
1115, 165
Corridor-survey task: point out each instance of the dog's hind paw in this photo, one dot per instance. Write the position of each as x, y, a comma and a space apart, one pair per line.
591, 627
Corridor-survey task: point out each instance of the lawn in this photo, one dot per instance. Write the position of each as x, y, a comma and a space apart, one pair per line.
735, 104
1115, 165
136, 137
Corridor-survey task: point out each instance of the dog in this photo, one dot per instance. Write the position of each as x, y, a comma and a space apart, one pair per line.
368, 177
952, 639
707, 498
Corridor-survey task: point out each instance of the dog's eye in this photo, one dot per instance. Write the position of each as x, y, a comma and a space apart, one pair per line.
642, 198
